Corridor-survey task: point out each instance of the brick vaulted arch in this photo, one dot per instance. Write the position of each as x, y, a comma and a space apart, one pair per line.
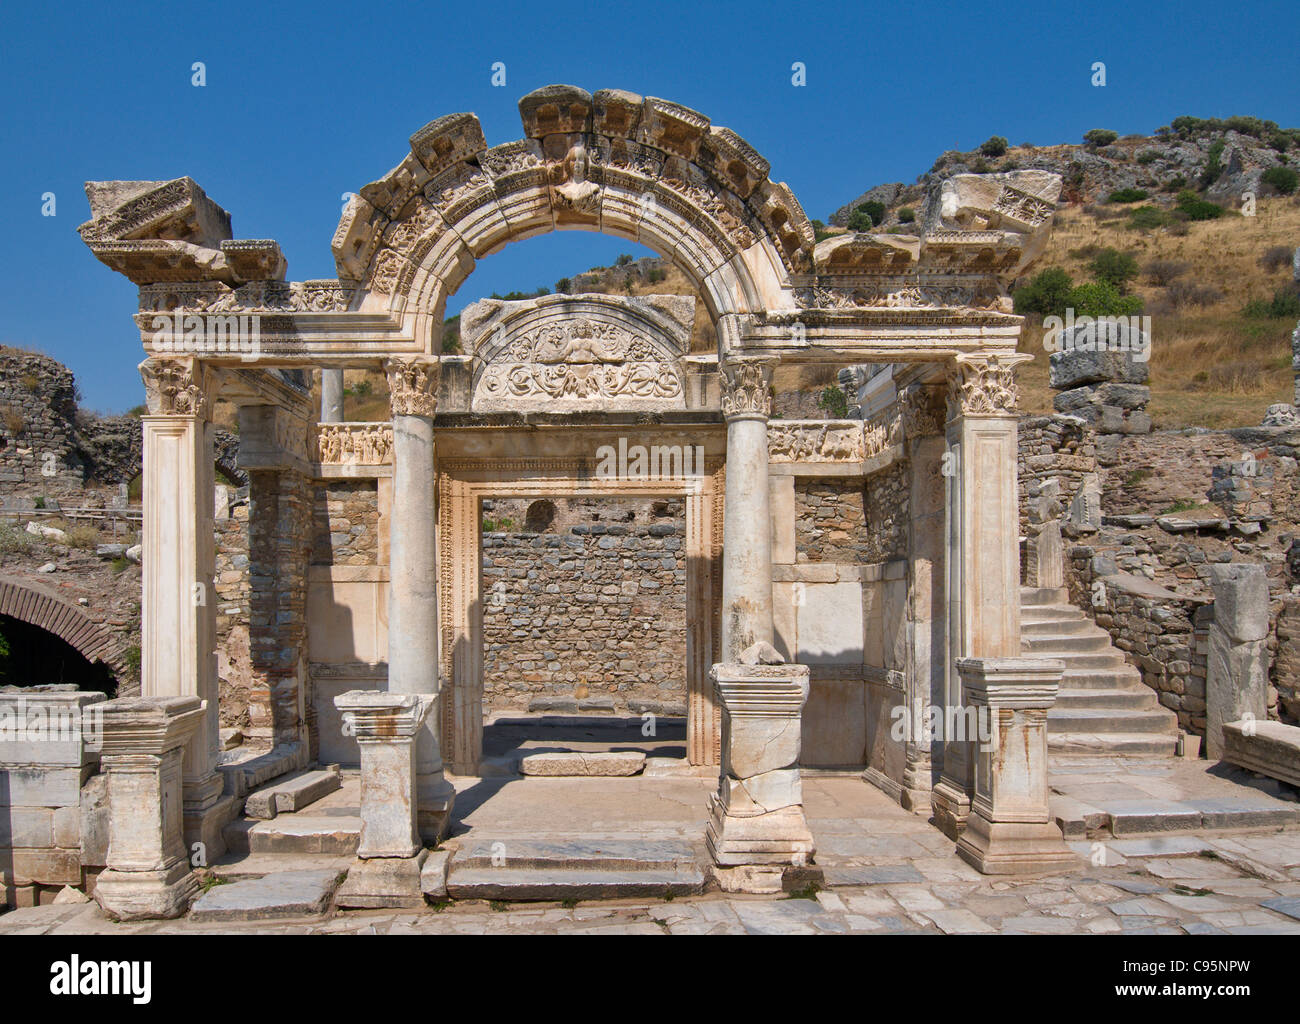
38, 607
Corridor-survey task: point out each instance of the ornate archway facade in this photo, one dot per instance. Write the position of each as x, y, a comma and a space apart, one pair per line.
218, 318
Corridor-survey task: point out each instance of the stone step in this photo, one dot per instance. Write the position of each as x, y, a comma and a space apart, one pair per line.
1048, 612
1043, 595
1110, 720
1136, 699
292, 792
1112, 744
1052, 644
1059, 627
527, 884
281, 894
577, 853
245, 771
295, 833
239, 866
1075, 660
1118, 677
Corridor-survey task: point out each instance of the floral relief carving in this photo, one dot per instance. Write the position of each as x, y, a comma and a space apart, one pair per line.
174, 387
746, 388
413, 386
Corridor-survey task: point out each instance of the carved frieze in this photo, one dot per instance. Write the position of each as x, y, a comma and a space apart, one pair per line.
413, 386
816, 441
924, 411
747, 388
354, 444
254, 297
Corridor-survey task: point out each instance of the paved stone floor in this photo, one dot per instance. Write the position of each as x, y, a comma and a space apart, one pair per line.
887, 871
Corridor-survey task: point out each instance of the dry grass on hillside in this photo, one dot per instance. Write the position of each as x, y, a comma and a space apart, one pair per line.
1210, 366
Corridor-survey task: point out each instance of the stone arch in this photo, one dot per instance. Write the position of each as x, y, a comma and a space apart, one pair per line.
36, 606
644, 169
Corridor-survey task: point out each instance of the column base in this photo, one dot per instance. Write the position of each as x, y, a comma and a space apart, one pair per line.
950, 808
779, 837
437, 797
206, 813
766, 879
384, 882
146, 895
1014, 847
918, 784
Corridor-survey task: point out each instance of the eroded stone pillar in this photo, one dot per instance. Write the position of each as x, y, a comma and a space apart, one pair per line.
331, 395
923, 409
178, 606
388, 727
1009, 829
983, 551
148, 874
757, 827
746, 529
413, 600
1236, 668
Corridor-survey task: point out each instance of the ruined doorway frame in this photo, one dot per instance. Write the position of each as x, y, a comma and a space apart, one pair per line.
463, 483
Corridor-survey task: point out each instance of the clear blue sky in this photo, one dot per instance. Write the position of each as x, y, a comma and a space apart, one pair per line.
305, 102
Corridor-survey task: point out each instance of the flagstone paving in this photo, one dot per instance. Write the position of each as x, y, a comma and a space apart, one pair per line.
887, 872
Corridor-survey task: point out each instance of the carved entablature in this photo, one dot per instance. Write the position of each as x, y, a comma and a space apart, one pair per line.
413, 386
354, 444
820, 441
272, 297
985, 385
175, 387
563, 353
747, 388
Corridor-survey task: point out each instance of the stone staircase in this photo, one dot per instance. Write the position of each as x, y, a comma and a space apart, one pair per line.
1103, 706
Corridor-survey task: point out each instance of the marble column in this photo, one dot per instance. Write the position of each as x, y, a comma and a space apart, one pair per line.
982, 568
1010, 828
747, 537
923, 412
178, 605
148, 874
331, 395
413, 597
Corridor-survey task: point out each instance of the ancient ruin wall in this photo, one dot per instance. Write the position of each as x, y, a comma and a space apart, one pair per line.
590, 614
850, 520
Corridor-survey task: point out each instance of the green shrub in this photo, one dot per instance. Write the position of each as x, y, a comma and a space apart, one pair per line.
564, 285
834, 401
906, 215
1196, 208
995, 146
1117, 268
1047, 293
1285, 303
1284, 179
1147, 218
1148, 156
1213, 167
1128, 195
866, 216
1101, 298
1100, 137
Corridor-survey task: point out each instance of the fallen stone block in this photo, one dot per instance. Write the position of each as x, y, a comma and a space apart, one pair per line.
573, 763
1269, 748
277, 895
292, 793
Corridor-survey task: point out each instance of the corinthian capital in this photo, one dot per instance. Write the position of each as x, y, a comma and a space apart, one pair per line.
175, 387
924, 410
413, 386
746, 387
985, 385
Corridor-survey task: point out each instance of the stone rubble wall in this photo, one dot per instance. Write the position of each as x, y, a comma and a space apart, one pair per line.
345, 523
851, 520
592, 611
1174, 504
234, 664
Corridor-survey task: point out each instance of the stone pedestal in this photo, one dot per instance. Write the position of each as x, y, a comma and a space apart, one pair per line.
1236, 668
756, 817
1009, 830
148, 873
413, 602
387, 727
